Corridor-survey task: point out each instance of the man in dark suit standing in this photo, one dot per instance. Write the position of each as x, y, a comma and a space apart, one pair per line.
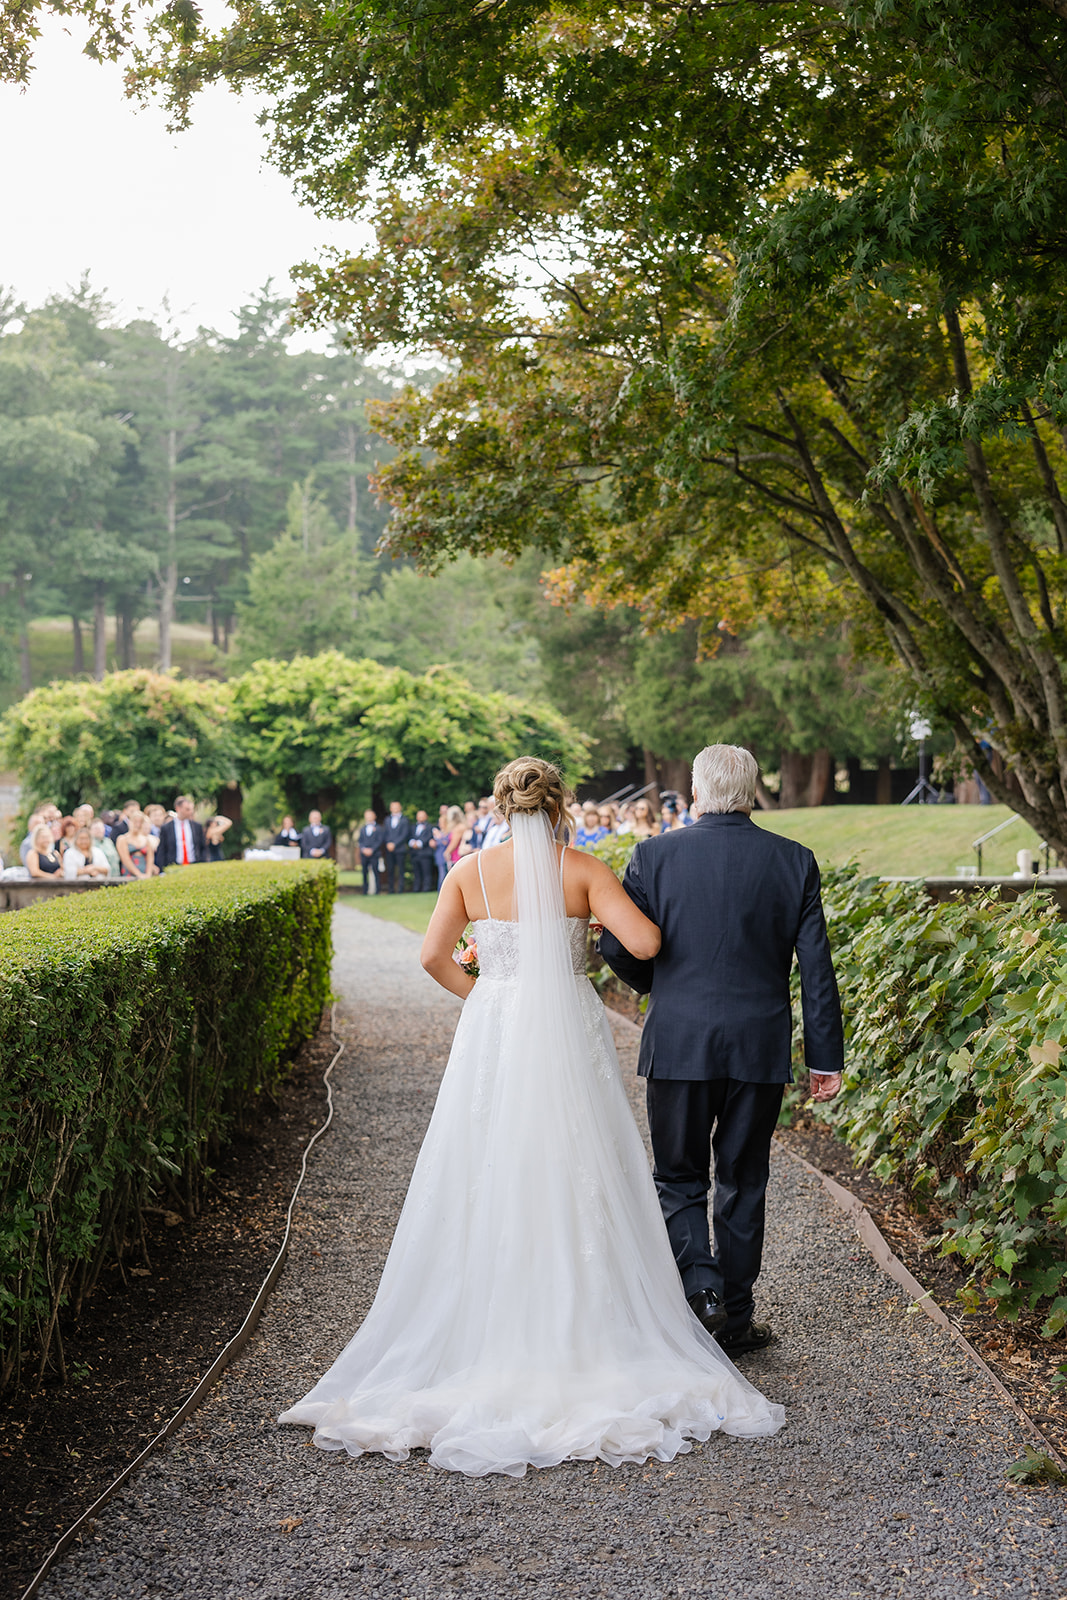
369, 845
181, 840
315, 841
734, 902
397, 832
420, 846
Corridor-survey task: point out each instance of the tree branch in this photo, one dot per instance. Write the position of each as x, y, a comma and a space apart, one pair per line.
1048, 478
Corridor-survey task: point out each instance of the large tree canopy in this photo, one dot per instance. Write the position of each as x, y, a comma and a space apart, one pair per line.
134, 735
342, 734
754, 306
756, 310
332, 732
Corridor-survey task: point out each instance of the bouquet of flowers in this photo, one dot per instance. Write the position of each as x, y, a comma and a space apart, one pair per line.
466, 955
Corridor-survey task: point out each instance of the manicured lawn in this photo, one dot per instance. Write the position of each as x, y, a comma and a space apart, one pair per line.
409, 910
52, 651
905, 841
892, 841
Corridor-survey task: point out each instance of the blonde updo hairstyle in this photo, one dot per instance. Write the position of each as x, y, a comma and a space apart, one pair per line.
529, 785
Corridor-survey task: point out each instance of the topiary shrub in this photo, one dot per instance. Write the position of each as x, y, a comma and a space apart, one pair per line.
133, 735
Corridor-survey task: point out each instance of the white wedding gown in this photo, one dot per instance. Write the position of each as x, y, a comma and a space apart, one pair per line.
530, 1310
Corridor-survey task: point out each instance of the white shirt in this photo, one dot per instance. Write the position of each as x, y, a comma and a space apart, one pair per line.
73, 859
182, 829
496, 833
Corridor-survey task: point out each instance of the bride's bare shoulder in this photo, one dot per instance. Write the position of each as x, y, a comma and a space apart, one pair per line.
589, 867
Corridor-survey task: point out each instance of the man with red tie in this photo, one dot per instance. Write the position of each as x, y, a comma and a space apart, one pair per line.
181, 840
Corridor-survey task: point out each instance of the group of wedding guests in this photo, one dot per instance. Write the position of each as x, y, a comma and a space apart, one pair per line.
387, 848
593, 821
136, 842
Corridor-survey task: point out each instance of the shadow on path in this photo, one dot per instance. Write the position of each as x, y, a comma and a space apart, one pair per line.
887, 1480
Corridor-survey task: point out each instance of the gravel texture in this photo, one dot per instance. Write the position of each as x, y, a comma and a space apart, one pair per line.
888, 1478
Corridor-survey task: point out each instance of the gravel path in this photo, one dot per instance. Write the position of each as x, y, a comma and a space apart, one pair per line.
887, 1480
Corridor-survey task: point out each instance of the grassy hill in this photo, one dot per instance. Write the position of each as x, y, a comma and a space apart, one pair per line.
905, 841
52, 652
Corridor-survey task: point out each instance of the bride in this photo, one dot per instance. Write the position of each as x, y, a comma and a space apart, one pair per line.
530, 1310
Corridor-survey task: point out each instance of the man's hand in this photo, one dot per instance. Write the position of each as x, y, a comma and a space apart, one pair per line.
825, 1085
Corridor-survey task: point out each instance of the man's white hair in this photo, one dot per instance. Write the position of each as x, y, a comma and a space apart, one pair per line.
724, 779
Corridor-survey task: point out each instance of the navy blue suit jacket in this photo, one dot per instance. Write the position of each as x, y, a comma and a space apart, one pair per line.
734, 902
396, 831
167, 852
315, 839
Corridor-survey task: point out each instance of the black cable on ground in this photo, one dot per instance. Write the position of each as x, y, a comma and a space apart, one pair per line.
221, 1361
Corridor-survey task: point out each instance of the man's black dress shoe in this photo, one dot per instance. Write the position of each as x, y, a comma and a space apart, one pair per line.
708, 1308
755, 1336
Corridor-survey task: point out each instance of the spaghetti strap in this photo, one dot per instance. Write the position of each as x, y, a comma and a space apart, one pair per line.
481, 880
562, 857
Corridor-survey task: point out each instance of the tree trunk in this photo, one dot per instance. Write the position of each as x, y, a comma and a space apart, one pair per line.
677, 775
99, 632
213, 619
883, 792
796, 779
169, 583
764, 798
652, 775
353, 485
821, 782
25, 675
124, 637
79, 643
228, 803
167, 591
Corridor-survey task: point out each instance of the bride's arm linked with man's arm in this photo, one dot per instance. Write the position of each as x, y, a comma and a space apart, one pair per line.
591, 883
632, 967
821, 1010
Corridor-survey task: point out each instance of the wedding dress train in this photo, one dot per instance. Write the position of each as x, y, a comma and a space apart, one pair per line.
530, 1309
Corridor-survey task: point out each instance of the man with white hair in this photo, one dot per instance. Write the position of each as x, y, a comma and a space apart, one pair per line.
734, 902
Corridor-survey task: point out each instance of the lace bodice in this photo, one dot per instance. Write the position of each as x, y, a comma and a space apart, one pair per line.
498, 947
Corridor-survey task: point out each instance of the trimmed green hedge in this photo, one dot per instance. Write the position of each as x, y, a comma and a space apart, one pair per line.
956, 1078
136, 1025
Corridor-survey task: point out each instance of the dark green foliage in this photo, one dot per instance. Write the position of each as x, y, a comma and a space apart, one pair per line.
136, 1025
769, 691
134, 735
956, 1025
140, 472
342, 734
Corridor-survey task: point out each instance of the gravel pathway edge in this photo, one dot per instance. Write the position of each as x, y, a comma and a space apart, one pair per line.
922, 1299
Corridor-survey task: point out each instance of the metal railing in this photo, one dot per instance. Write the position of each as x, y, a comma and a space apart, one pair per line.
976, 844
629, 792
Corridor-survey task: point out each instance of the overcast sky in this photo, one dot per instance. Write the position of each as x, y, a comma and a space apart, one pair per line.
89, 182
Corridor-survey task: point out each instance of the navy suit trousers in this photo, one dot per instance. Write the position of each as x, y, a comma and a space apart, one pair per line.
689, 1121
